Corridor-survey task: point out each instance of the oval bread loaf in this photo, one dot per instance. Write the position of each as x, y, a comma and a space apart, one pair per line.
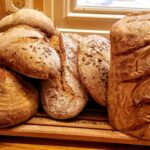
93, 64
64, 96
18, 98
27, 51
31, 18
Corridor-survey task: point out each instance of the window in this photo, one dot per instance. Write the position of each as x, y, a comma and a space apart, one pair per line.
87, 16
142, 4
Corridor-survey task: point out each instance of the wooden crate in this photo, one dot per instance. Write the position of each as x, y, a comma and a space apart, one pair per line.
90, 125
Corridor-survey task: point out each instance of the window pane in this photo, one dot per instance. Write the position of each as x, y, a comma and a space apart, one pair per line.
114, 3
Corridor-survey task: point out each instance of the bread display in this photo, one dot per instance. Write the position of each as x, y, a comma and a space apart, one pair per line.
129, 77
93, 63
63, 96
68, 69
18, 98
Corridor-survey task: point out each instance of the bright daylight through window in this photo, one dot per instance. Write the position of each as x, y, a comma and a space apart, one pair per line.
114, 3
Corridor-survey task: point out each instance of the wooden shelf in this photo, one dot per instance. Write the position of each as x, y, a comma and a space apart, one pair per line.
90, 125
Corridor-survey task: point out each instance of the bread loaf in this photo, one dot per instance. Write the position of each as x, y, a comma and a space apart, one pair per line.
24, 44
63, 96
93, 64
27, 51
31, 18
129, 77
18, 98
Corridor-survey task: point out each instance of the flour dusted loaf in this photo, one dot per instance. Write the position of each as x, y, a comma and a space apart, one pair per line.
129, 77
63, 96
93, 64
24, 45
18, 98
30, 17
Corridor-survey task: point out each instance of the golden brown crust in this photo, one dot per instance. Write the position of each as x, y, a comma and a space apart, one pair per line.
27, 51
130, 33
64, 96
18, 99
31, 18
93, 64
129, 82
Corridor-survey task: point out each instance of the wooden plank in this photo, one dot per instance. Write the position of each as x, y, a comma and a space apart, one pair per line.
69, 133
38, 4
84, 115
2, 8
88, 124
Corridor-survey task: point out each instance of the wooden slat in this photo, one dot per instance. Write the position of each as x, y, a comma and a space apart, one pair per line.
69, 133
71, 123
90, 125
2, 9
85, 116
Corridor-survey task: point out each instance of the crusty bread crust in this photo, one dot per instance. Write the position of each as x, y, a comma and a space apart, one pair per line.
93, 64
31, 18
63, 96
129, 77
18, 98
27, 51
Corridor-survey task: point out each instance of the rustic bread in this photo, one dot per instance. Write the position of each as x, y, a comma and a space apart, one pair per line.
18, 98
63, 96
93, 64
129, 77
27, 51
29, 17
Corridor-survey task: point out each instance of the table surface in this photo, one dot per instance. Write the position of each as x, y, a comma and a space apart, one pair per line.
20, 143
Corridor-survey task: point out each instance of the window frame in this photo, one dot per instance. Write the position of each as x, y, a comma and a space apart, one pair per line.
70, 18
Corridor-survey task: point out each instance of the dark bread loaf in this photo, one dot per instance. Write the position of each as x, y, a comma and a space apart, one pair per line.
63, 96
93, 64
18, 98
129, 77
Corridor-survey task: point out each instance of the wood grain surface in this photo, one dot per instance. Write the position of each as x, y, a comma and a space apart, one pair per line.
19, 143
2, 8
91, 125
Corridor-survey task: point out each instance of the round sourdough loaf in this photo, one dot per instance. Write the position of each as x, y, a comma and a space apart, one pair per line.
129, 77
93, 64
63, 96
18, 98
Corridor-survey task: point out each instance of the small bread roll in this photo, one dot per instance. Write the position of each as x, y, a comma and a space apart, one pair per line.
18, 98
93, 64
31, 18
27, 51
63, 96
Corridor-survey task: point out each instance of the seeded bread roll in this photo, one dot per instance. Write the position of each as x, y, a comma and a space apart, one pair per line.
129, 77
63, 96
18, 98
27, 51
31, 18
93, 64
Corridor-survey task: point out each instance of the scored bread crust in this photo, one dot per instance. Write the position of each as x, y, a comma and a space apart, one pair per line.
27, 51
29, 17
129, 77
93, 64
64, 97
18, 98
